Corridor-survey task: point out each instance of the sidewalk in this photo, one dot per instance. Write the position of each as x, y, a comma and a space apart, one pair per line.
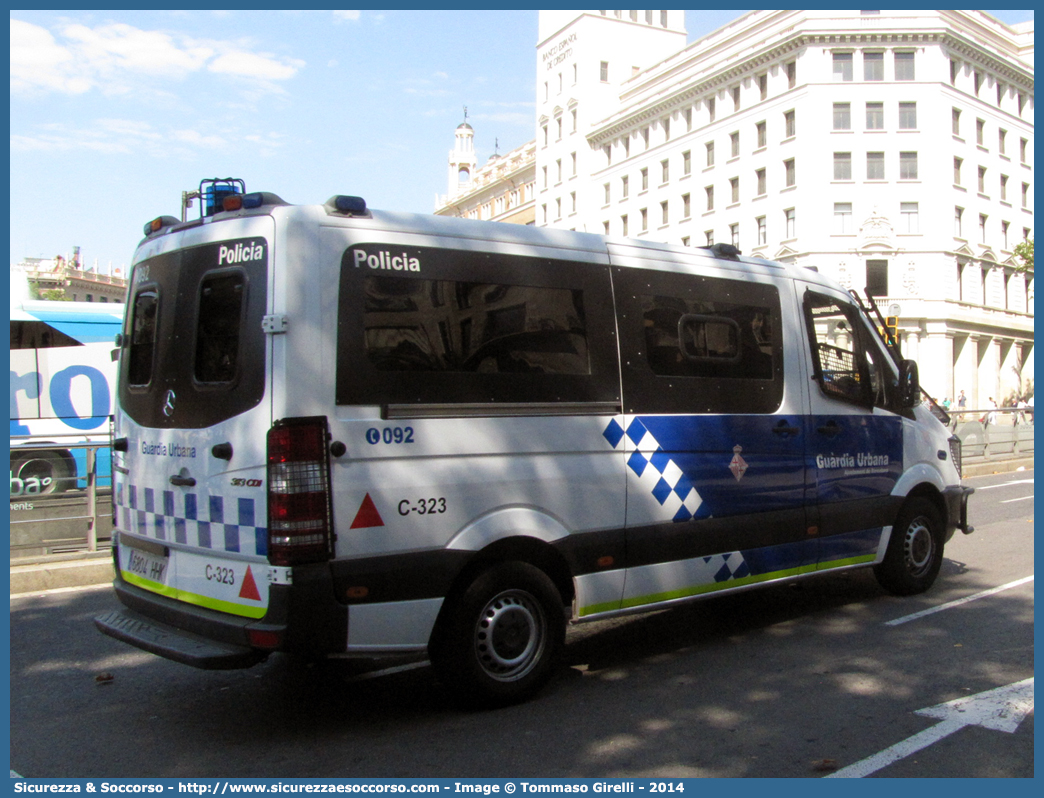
82, 569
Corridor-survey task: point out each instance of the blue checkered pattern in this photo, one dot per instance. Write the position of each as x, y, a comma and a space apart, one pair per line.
216, 523
654, 470
732, 566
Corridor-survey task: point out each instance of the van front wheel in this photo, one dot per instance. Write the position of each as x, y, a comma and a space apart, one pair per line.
502, 636
915, 550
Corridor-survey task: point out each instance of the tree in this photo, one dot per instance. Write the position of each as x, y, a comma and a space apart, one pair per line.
1024, 252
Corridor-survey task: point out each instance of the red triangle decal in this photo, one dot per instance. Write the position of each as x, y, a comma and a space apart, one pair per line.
249, 588
367, 515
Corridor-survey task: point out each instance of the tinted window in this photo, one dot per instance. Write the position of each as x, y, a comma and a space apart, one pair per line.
217, 333
698, 344
428, 326
142, 337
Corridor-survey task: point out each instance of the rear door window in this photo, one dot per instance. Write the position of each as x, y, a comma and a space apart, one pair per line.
142, 344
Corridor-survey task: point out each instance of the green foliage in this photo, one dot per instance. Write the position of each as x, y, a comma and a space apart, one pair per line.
1024, 252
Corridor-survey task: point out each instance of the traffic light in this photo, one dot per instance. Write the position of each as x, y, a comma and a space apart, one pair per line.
891, 330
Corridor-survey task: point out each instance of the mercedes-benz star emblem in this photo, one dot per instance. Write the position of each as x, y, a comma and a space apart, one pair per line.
168, 404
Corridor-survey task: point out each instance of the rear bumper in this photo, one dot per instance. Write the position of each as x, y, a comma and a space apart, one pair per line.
302, 617
956, 498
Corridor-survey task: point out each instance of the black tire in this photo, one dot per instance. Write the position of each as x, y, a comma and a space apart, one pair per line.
915, 550
502, 637
49, 468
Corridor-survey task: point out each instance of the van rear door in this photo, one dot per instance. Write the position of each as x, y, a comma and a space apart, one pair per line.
190, 498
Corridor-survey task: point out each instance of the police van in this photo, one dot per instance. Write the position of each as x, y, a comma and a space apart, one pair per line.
352, 433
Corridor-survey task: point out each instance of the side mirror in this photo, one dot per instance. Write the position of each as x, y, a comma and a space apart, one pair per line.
909, 384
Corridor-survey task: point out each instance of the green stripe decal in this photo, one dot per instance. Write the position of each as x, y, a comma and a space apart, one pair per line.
194, 598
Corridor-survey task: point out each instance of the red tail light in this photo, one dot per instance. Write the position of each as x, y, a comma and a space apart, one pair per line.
299, 506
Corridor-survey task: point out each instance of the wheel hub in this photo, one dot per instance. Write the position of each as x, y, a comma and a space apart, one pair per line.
918, 546
510, 635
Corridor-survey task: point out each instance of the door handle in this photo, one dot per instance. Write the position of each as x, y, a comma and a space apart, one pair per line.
784, 429
830, 429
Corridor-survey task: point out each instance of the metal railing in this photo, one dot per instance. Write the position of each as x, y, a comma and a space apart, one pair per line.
31, 485
994, 432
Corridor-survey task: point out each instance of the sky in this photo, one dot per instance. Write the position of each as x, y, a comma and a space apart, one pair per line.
115, 113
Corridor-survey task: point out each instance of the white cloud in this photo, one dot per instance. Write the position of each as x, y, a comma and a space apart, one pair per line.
347, 16
122, 59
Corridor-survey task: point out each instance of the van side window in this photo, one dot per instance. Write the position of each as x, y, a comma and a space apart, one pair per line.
485, 327
445, 328
221, 305
847, 365
699, 344
143, 337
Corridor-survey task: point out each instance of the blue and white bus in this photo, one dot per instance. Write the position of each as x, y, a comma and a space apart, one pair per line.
62, 380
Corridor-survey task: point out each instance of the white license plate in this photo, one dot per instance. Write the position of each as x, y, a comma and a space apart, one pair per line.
151, 565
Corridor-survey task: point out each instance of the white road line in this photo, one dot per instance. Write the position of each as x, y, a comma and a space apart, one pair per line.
54, 590
958, 602
1020, 499
1005, 484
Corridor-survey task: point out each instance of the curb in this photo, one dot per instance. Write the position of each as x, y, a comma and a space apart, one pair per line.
95, 568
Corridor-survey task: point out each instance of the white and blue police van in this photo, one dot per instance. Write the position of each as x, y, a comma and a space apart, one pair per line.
343, 432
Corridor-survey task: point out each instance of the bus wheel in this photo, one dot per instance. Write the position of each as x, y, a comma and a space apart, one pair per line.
502, 637
915, 550
41, 472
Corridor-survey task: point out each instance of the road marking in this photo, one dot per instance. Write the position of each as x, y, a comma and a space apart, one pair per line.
1000, 709
53, 590
1020, 499
1005, 484
958, 602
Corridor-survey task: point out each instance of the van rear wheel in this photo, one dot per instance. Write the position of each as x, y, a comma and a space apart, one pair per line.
915, 550
502, 636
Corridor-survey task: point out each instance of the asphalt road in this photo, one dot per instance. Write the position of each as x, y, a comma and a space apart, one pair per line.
786, 681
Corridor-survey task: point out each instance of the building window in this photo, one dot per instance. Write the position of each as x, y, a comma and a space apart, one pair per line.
558, 171
686, 206
710, 197
558, 208
734, 186
873, 66
957, 171
908, 216
645, 137
762, 133
955, 70
982, 227
955, 117
843, 218
645, 219
908, 166
664, 217
1004, 233
734, 234
790, 217
665, 171
627, 146
1002, 134
763, 86
543, 172
842, 166
709, 237
908, 116
760, 176
605, 228
607, 193
982, 179
572, 159
688, 119
1004, 188
624, 187
877, 277
736, 98
791, 74
762, 232
904, 66
875, 116
958, 222
711, 108
790, 171
842, 116
645, 179
875, 166
666, 124
790, 124
558, 127
980, 131
734, 144
1023, 150
686, 163
710, 153
543, 212
603, 72
623, 225
842, 67
685, 241
1025, 195
978, 82
543, 129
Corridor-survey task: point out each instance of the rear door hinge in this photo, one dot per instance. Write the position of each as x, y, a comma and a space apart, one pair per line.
275, 324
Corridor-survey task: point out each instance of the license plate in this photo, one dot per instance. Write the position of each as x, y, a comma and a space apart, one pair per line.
147, 562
